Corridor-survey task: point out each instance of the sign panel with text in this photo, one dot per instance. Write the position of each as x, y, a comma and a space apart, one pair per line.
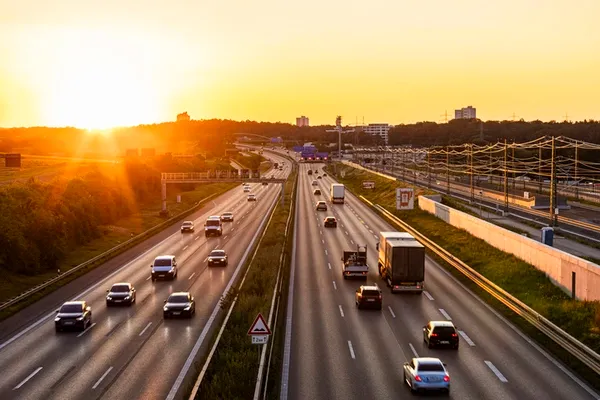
368, 185
405, 199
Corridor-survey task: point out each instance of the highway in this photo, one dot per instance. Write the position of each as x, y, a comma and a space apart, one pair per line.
131, 352
339, 352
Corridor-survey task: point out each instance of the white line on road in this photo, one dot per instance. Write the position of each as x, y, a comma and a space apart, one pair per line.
216, 247
342, 225
225, 237
320, 232
375, 236
197, 237
496, 371
413, 350
326, 253
335, 286
329, 265
371, 230
144, 330
341, 311
445, 314
149, 277
346, 232
391, 312
232, 229
24, 381
467, 338
351, 350
102, 377
366, 226
85, 331
205, 259
351, 241
191, 276
185, 248
322, 241
426, 293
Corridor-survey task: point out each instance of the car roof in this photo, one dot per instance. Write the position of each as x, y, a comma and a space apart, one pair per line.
427, 360
370, 287
217, 250
164, 257
441, 323
188, 222
330, 217
227, 212
179, 294
73, 303
214, 217
121, 283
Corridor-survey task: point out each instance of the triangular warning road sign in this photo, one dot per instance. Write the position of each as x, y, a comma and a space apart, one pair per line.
259, 326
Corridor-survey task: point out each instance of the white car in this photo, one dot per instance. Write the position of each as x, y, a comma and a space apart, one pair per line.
246, 189
251, 197
315, 183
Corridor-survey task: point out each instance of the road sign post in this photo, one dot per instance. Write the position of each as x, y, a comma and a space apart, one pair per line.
259, 331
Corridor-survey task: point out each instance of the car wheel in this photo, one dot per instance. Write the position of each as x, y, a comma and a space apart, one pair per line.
429, 345
57, 329
380, 307
456, 347
153, 279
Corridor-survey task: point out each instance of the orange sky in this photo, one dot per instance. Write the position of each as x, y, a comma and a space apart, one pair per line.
100, 64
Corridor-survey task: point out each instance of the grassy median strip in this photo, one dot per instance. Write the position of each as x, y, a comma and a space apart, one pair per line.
580, 318
113, 235
233, 369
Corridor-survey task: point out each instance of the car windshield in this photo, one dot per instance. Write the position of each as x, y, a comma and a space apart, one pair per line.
330, 219
162, 262
217, 253
178, 299
213, 223
70, 308
227, 214
443, 330
188, 223
431, 367
120, 289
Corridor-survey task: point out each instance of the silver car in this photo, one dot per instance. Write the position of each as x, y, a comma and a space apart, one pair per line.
425, 374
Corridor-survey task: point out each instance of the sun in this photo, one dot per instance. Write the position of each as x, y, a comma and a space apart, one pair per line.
101, 84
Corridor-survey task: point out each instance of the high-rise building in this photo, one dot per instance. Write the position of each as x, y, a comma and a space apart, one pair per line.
465, 113
302, 121
380, 130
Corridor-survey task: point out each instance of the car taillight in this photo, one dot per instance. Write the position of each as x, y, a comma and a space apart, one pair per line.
433, 334
417, 378
364, 273
396, 287
454, 335
379, 297
446, 378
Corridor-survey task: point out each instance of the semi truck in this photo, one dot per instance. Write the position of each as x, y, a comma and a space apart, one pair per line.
337, 192
401, 262
354, 263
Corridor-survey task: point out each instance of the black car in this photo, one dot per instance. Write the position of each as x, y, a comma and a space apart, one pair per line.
330, 222
324, 174
440, 333
187, 226
227, 217
217, 257
265, 183
120, 293
179, 304
319, 177
310, 172
368, 296
73, 314
317, 192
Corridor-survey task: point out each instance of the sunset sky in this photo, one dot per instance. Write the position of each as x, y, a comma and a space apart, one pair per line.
124, 62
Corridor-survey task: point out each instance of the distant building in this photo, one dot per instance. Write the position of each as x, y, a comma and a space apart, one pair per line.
465, 113
302, 121
183, 117
148, 153
380, 130
131, 153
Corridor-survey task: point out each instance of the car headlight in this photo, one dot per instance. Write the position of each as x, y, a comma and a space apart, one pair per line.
165, 308
56, 319
108, 298
188, 307
172, 269
210, 259
80, 318
127, 297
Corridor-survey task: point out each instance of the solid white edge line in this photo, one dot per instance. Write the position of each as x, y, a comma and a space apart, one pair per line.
351, 241
188, 363
145, 328
326, 253
412, 348
351, 350
334, 285
31, 375
341, 311
205, 259
329, 265
287, 347
85, 331
148, 278
191, 276
445, 314
185, 248
102, 378
391, 312
322, 241
429, 296
466, 338
197, 237
496, 371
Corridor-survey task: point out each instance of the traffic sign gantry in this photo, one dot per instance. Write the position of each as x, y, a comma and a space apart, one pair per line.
259, 330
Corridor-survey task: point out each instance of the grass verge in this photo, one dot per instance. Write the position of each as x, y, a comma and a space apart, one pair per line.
234, 367
113, 235
580, 318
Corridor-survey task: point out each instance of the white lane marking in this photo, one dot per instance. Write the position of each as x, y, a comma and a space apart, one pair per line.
413, 350
85, 331
496, 371
205, 259
185, 248
342, 225
232, 229
197, 237
320, 232
391, 312
216, 247
375, 236
334, 285
329, 265
102, 377
371, 230
366, 226
145, 328
467, 338
326, 252
225, 237
149, 277
31, 375
351, 350
346, 232
322, 241
191, 276
341, 311
429, 296
351, 241
445, 314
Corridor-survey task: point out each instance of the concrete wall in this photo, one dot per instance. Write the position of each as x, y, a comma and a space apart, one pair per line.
557, 264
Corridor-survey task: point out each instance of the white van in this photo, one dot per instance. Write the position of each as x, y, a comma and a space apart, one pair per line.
164, 267
213, 226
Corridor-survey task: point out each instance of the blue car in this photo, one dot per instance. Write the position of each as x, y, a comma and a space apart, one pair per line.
426, 374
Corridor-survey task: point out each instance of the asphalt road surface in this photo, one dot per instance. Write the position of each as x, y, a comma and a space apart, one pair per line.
339, 352
130, 352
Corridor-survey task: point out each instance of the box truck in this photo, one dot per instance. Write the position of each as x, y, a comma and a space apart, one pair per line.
337, 192
401, 261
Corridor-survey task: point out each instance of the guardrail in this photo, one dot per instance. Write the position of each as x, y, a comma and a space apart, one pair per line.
107, 254
577, 349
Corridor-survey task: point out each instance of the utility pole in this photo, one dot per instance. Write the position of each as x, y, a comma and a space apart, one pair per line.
576, 171
429, 167
540, 177
553, 216
471, 173
512, 161
445, 115
491, 170
404, 164
505, 176
339, 130
448, 169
